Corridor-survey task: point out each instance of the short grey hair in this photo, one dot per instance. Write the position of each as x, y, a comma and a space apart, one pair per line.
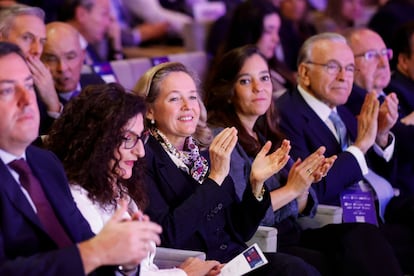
8, 15
307, 47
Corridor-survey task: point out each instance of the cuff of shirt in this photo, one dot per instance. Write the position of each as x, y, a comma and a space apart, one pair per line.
54, 114
388, 151
359, 156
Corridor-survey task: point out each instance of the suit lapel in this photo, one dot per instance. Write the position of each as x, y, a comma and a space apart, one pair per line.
168, 171
16, 196
314, 125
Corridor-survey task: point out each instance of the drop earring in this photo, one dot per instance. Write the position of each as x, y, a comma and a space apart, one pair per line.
152, 122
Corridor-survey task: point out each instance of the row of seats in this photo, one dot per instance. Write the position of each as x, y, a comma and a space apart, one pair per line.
128, 71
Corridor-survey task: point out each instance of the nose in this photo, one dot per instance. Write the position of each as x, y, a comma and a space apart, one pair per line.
257, 86
185, 104
383, 60
341, 74
24, 96
139, 149
62, 65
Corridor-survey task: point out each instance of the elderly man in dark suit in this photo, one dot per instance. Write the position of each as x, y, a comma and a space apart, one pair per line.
64, 56
42, 231
374, 74
325, 76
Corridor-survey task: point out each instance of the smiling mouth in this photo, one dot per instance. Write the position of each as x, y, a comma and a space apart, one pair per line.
185, 118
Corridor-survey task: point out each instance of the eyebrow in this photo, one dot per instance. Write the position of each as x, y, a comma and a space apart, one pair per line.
248, 74
133, 132
30, 77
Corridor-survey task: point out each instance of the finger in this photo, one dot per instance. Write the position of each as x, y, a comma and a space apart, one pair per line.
118, 216
265, 149
218, 140
311, 159
230, 140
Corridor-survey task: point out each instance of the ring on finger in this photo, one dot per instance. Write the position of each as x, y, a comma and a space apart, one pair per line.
309, 171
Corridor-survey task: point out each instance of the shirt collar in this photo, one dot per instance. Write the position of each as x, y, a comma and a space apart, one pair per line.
7, 157
68, 95
320, 108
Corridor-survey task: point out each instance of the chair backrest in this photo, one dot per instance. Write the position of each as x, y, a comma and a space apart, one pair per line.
128, 71
196, 61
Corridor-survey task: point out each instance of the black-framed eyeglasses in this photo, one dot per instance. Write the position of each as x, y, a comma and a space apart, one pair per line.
374, 54
131, 139
333, 67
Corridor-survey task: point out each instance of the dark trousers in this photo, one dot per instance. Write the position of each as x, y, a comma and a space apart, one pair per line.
285, 265
399, 229
346, 249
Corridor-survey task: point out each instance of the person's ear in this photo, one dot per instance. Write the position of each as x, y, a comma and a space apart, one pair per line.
150, 114
303, 73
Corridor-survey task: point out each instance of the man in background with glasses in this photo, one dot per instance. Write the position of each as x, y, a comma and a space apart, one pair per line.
372, 61
374, 74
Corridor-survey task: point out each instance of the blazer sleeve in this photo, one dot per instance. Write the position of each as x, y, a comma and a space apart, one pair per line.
184, 213
304, 141
65, 261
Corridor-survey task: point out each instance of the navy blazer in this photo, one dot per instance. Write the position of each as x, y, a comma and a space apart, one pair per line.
25, 247
404, 88
205, 217
404, 135
307, 132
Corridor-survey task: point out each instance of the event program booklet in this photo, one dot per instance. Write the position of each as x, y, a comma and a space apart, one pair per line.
248, 260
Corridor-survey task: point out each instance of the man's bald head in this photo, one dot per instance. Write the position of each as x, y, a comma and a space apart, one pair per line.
64, 55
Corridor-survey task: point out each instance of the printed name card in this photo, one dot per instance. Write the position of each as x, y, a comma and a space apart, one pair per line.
358, 206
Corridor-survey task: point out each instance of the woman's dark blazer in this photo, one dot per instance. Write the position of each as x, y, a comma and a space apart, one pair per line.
205, 217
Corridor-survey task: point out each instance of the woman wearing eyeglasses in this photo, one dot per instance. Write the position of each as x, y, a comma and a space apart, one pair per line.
100, 140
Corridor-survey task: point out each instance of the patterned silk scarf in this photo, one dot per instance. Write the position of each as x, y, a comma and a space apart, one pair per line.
190, 155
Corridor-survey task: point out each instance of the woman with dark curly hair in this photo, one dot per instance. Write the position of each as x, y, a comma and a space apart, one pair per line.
100, 140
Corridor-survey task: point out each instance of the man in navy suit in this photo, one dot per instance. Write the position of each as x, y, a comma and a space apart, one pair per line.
26, 248
372, 59
326, 70
325, 75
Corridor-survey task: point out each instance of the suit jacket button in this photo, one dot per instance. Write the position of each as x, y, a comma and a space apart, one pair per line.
220, 206
223, 246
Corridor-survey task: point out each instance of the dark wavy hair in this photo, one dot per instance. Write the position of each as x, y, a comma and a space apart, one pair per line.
86, 136
221, 110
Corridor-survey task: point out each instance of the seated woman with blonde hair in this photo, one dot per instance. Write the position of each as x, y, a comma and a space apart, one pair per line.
190, 195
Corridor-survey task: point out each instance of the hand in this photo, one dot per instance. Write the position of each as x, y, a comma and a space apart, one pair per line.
264, 166
121, 241
322, 170
196, 267
220, 153
408, 120
301, 175
367, 122
44, 83
387, 117
150, 31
